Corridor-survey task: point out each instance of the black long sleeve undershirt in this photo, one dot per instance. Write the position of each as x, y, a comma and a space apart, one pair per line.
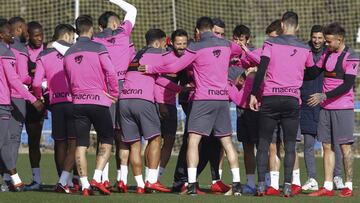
349, 81
259, 77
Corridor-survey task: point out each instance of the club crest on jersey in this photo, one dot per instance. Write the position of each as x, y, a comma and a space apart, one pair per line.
112, 40
294, 52
217, 53
78, 59
59, 56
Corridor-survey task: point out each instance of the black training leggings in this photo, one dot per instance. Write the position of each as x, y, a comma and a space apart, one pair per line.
273, 109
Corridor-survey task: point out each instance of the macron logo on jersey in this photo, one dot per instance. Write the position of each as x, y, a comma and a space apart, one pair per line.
12, 63
218, 92
217, 53
78, 59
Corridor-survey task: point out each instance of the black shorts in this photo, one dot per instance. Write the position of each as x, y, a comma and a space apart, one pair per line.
63, 124
168, 119
275, 109
99, 116
247, 126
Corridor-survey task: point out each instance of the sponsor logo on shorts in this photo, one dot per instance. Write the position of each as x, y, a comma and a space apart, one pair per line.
86, 97
132, 91
218, 92
61, 95
285, 90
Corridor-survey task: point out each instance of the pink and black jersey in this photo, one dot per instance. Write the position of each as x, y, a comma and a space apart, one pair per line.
50, 65
90, 73
287, 57
336, 66
210, 59
9, 78
117, 42
142, 86
21, 67
167, 95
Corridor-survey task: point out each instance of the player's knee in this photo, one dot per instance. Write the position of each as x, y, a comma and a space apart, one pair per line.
327, 147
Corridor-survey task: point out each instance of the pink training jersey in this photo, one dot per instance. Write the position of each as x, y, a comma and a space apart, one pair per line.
288, 56
350, 66
50, 65
34, 53
90, 73
142, 86
210, 58
21, 67
166, 95
117, 42
8, 77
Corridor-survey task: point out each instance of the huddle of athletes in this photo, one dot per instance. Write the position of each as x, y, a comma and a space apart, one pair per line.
285, 89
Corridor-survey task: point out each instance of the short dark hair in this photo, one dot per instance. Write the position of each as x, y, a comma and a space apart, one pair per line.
3, 22
242, 30
274, 26
290, 18
178, 33
16, 19
83, 24
334, 29
204, 23
103, 20
218, 22
33, 25
153, 35
62, 29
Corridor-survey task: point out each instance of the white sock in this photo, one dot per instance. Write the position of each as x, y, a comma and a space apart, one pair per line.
328, 185
64, 177
84, 182
251, 180
153, 176
192, 175
214, 181
6, 177
124, 173
296, 177
161, 172
139, 181
267, 179
146, 173
36, 175
97, 175
274, 179
236, 175
220, 173
118, 174
105, 173
69, 180
349, 185
16, 179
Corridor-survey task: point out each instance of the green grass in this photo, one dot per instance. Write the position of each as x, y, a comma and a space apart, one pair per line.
49, 178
